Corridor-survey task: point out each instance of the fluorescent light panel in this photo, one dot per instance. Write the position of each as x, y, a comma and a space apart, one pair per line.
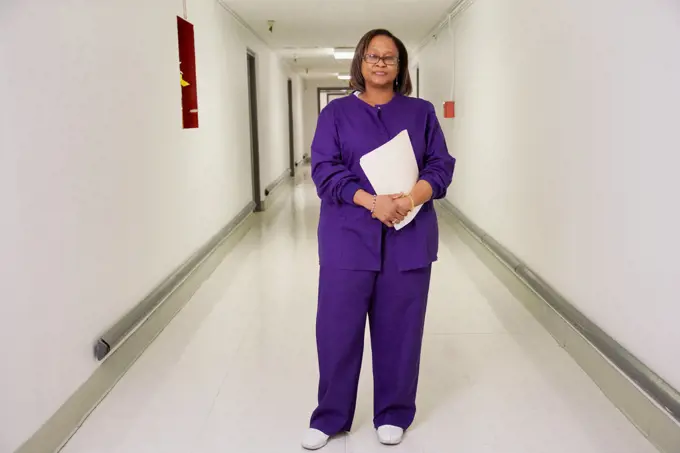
342, 54
344, 77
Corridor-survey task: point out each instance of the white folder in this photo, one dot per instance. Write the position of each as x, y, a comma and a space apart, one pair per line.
392, 169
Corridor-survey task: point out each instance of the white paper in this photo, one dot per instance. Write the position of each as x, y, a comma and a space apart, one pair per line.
392, 169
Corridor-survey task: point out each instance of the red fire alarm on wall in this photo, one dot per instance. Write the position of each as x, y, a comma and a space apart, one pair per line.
449, 109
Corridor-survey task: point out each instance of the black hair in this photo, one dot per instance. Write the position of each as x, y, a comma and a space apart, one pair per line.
402, 84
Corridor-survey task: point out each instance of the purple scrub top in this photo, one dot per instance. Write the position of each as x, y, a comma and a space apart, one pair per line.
347, 129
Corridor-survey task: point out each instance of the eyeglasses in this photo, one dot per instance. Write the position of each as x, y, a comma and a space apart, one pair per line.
374, 59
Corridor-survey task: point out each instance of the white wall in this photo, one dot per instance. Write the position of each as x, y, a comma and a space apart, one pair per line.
568, 152
299, 116
103, 193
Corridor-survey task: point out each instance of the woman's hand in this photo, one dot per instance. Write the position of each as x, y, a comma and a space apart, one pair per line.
405, 204
387, 210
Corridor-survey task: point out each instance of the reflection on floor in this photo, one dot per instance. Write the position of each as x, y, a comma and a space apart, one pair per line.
236, 369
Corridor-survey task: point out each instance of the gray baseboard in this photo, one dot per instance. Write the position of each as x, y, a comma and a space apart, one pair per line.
125, 326
650, 403
273, 190
133, 336
277, 182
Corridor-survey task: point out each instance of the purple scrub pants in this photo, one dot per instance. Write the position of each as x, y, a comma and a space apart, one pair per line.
395, 303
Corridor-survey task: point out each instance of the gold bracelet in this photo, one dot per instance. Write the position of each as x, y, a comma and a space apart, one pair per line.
413, 203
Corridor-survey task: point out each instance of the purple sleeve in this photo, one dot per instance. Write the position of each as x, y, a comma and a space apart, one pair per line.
334, 182
439, 164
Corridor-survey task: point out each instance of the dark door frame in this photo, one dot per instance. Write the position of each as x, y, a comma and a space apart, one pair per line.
254, 131
291, 129
418, 81
319, 90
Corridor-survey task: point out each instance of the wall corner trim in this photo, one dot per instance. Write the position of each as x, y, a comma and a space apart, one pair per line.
458, 8
242, 22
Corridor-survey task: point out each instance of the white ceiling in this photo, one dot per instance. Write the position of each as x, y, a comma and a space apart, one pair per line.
305, 31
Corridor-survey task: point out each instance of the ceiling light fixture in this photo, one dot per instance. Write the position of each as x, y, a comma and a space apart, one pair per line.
344, 77
343, 54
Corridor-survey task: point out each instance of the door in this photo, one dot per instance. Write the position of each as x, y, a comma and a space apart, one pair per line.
418, 81
254, 136
333, 96
326, 95
291, 137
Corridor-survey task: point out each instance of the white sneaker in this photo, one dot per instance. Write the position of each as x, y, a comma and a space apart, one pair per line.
314, 439
390, 435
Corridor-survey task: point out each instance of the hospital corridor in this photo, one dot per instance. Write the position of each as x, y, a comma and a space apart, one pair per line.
168, 204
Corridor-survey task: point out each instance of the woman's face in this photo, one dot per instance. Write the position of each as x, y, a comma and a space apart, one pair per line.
381, 62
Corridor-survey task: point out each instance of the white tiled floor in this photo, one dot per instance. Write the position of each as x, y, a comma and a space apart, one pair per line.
236, 369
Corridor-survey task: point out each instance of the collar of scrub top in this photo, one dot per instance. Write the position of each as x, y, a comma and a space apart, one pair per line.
376, 107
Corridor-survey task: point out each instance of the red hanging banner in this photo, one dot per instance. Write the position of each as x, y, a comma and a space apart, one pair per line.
187, 70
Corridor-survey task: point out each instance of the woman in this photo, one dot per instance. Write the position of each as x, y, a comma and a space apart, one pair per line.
368, 268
